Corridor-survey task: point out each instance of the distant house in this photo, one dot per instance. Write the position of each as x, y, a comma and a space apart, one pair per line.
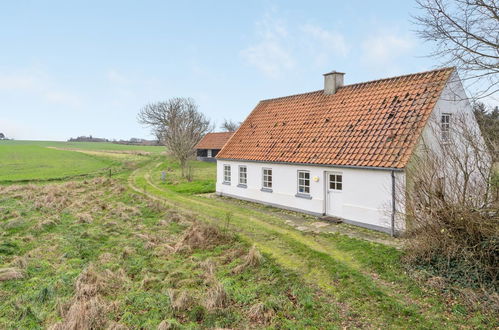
341, 151
211, 144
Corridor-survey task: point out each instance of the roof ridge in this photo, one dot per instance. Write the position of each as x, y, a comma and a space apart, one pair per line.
362, 83
401, 76
292, 95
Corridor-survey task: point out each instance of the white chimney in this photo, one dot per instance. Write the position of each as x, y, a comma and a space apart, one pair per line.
332, 81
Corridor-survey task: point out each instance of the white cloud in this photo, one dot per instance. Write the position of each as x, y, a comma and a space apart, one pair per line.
280, 49
385, 48
324, 44
34, 83
272, 53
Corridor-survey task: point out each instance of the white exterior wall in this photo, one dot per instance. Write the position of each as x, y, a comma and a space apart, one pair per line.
453, 101
366, 197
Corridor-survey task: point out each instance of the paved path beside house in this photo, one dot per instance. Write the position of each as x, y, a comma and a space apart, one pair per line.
309, 223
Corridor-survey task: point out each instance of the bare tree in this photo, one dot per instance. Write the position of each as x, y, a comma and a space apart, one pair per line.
466, 34
452, 220
229, 126
178, 125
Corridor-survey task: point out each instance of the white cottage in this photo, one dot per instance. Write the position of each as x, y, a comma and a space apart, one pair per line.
340, 151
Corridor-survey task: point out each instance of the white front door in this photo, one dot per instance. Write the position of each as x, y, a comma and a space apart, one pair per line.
334, 191
209, 153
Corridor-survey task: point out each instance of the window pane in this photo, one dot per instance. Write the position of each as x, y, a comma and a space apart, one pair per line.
339, 186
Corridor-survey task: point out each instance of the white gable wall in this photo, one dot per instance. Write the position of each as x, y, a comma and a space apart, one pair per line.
366, 196
453, 101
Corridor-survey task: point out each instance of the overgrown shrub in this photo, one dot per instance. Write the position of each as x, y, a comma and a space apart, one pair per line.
453, 225
459, 244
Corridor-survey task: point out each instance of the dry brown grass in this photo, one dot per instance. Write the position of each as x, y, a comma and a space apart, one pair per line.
179, 300
201, 236
116, 326
148, 282
106, 257
209, 266
46, 223
87, 309
84, 218
7, 274
14, 223
127, 251
19, 262
174, 216
167, 325
252, 259
216, 297
260, 313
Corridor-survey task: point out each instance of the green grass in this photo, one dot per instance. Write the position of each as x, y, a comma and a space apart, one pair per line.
125, 247
103, 146
29, 162
45, 160
202, 181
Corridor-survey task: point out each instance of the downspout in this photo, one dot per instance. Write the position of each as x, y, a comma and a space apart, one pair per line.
393, 204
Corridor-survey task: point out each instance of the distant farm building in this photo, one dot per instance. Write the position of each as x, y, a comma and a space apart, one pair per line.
211, 144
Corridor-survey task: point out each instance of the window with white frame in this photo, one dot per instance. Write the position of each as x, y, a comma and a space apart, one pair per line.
335, 182
243, 175
303, 182
267, 178
227, 173
445, 126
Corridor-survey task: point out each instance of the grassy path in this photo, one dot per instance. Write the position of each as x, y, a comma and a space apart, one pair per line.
370, 290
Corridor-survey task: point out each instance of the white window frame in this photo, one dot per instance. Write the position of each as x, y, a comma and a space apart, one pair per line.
227, 173
245, 175
266, 183
337, 184
304, 185
445, 126
209, 153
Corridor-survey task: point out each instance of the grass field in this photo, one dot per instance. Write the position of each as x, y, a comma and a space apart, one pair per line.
203, 177
136, 252
40, 160
26, 162
104, 146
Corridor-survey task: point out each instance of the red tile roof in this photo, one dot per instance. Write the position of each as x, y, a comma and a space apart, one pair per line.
373, 124
214, 140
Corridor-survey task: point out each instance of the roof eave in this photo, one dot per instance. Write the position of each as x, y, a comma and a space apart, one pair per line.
314, 164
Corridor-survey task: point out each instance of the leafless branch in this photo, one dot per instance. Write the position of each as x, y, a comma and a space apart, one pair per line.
466, 35
178, 125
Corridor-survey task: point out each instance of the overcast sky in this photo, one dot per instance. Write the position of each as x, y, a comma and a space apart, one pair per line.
71, 68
